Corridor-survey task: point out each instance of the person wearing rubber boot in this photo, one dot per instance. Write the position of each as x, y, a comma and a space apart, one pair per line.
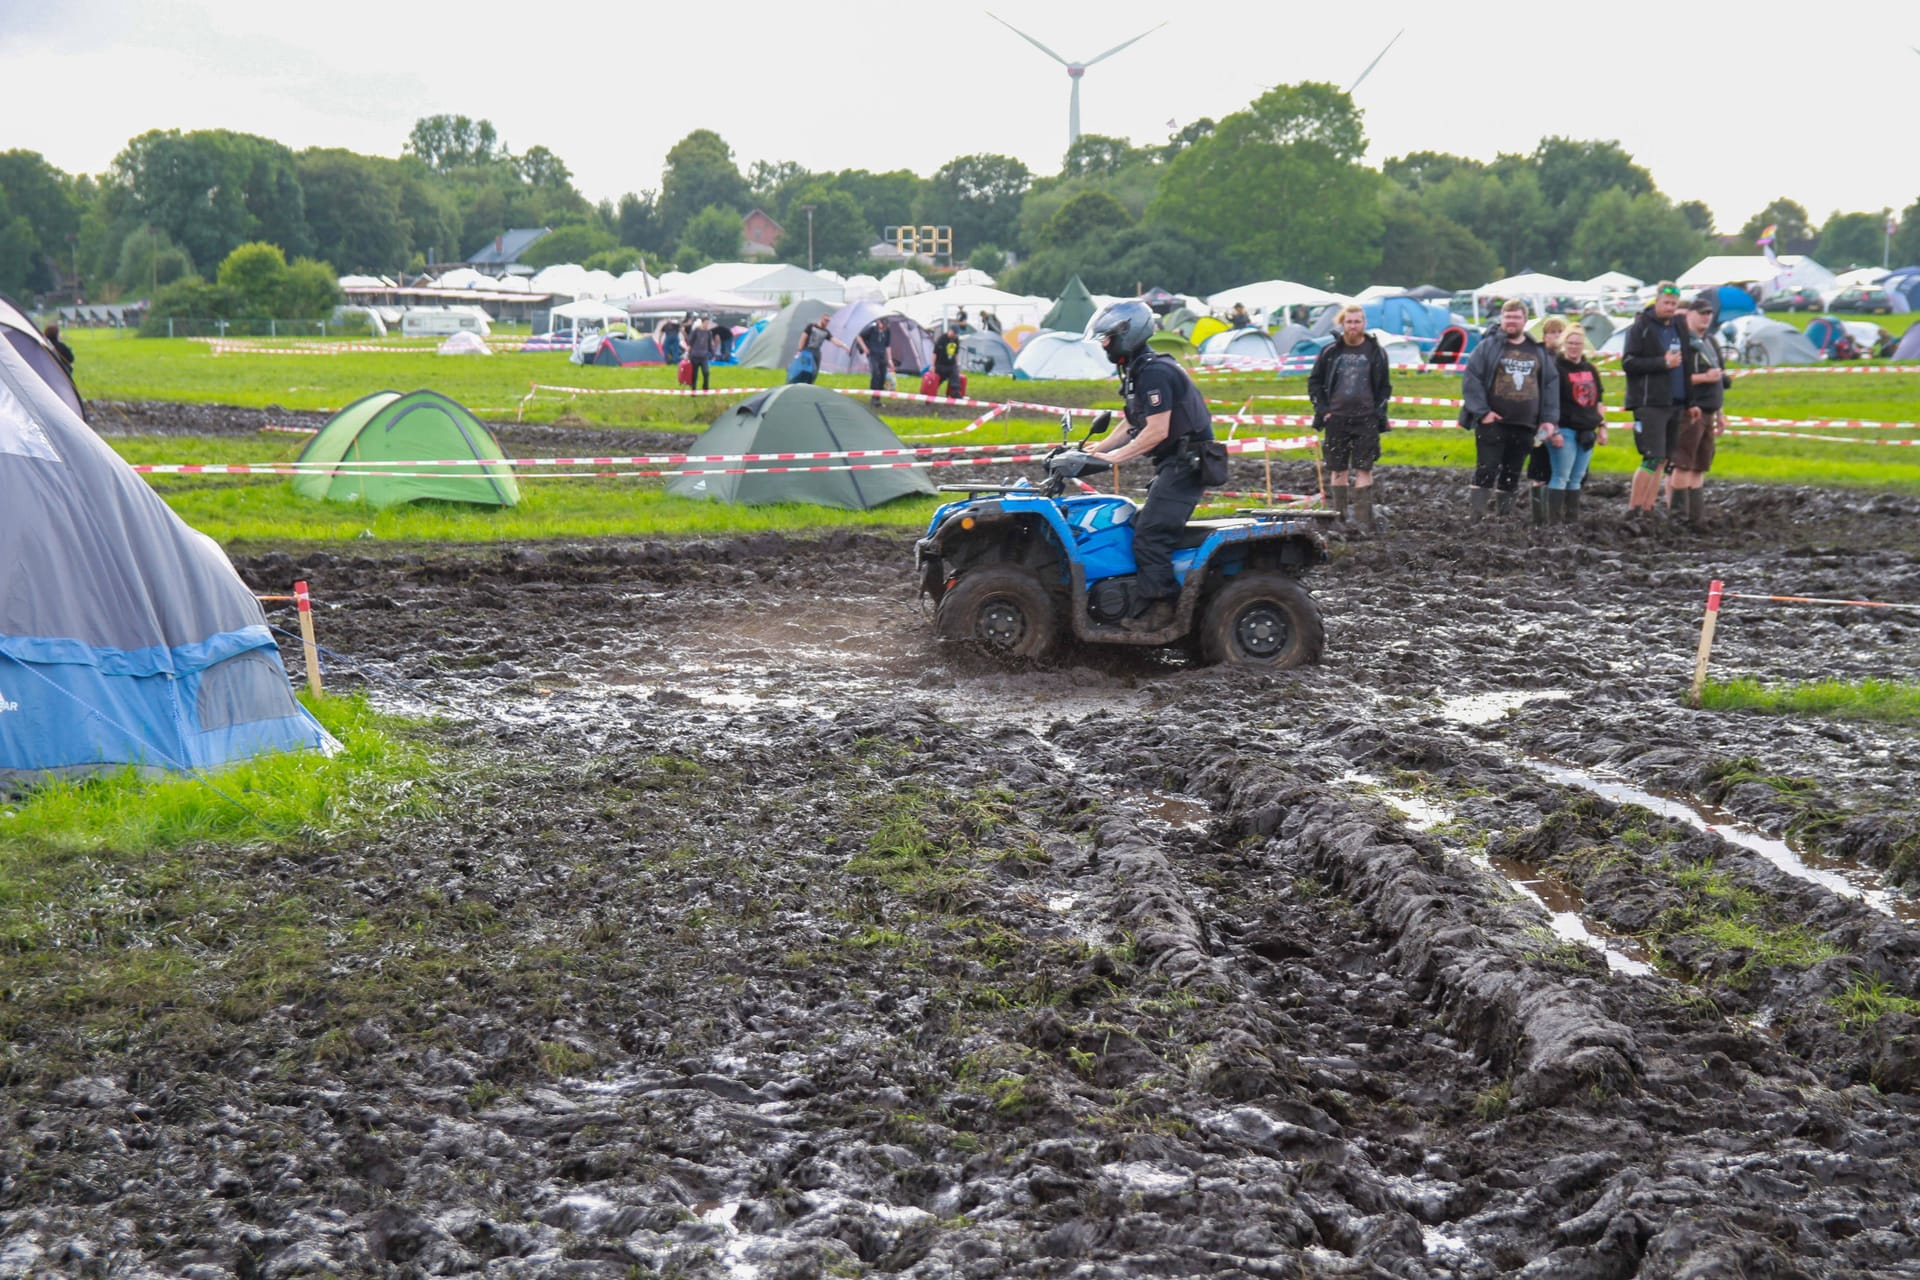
1167, 418
1582, 427
1350, 387
1706, 418
1658, 392
1511, 391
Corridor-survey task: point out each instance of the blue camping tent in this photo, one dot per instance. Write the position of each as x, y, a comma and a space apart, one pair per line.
1730, 303
1903, 288
126, 638
1410, 317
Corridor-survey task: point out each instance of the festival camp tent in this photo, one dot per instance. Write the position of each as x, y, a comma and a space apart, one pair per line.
904, 282
617, 352
1408, 316
1205, 327
1903, 288
1287, 340
1237, 346
1171, 344
1273, 297
970, 277
1429, 293
1062, 356
387, 427
1180, 320
463, 344
863, 288
1071, 311
912, 348
982, 352
1909, 348
126, 638
1729, 302
776, 344
766, 281
800, 418
1787, 271
19, 332
1760, 341
937, 306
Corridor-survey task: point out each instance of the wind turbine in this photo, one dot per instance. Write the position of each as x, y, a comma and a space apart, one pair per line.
1074, 69
1376, 61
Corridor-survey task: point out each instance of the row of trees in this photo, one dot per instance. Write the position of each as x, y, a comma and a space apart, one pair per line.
1278, 189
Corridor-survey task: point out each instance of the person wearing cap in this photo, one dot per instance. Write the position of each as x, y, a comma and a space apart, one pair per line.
1706, 418
1658, 390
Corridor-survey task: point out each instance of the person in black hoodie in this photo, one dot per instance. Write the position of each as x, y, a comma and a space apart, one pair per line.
1658, 391
1512, 394
1706, 418
1350, 387
946, 361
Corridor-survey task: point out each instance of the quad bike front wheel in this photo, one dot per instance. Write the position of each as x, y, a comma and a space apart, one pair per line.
1002, 609
1262, 620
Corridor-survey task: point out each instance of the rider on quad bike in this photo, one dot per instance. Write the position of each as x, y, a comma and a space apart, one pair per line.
1168, 420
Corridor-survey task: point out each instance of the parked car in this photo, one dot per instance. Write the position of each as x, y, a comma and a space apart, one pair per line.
1801, 298
1862, 299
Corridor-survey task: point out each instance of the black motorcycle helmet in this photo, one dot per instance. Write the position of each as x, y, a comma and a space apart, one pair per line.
1122, 328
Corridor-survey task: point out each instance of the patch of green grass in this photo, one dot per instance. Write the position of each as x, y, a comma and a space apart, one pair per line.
1887, 701
1867, 1000
268, 799
1733, 918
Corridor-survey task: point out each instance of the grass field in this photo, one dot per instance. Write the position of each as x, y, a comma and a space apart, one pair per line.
1887, 701
113, 367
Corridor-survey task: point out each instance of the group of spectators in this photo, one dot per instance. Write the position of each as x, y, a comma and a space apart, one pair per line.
1535, 405
698, 342
876, 344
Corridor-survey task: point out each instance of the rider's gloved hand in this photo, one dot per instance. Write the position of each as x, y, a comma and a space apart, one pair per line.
1072, 463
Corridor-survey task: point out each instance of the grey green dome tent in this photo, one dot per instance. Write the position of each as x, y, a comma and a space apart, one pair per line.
126, 638
1071, 310
800, 418
774, 346
420, 426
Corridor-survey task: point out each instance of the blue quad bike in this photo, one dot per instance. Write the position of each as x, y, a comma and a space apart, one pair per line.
1016, 569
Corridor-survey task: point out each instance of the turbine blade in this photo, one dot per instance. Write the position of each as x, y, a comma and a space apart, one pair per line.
1376, 60
1117, 48
1029, 39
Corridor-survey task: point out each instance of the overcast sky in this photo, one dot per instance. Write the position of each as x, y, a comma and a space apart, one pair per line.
609, 88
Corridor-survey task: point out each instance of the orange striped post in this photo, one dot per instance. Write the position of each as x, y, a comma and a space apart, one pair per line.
305, 604
1707, 623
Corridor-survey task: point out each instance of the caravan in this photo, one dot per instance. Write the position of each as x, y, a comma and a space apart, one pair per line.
438, 322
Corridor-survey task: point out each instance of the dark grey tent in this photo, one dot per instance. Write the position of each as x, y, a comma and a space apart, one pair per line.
774, 346
1071, 310
988, 353
17, 328
1909, 348
800, 418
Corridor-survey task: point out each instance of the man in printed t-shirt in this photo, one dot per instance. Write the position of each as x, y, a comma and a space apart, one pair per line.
1512, 395
1350, 386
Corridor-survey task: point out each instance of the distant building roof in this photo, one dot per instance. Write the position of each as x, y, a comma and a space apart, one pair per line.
507, 246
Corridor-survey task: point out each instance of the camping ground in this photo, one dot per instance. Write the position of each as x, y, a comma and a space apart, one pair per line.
743, 929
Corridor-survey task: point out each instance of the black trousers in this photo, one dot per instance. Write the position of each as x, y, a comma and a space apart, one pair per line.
700, 375
1175, 492
1500, 450
876, 376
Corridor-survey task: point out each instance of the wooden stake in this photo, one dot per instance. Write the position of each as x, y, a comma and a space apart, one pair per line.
1707, 621
305, 604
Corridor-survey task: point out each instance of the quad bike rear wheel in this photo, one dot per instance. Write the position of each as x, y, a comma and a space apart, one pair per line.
1262, 620
1004, 610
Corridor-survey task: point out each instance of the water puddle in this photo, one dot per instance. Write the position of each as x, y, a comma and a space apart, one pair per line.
1485, 708
1848, 879
1181, 813
1562, 905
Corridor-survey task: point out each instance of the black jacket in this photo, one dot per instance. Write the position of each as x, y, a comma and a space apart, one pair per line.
1645, 361
1382, 378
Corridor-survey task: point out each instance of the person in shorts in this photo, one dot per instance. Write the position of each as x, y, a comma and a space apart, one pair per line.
1350, 386
1658, 391
1706, 418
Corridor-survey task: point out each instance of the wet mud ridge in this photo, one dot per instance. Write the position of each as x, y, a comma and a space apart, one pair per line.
766, 937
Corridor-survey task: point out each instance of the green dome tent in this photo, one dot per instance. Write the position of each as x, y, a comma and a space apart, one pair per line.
420, 426
800, 418
1071, 310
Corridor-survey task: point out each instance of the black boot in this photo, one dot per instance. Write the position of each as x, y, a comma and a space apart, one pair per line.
1477, 500
1363, 509
1503, 503
1537, 505
1557, 506
1697, 508
1571, 511
1339, 494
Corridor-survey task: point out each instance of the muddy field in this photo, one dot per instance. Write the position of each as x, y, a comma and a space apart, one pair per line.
774, 939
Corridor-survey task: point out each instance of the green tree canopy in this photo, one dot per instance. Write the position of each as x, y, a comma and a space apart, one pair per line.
1281, 187
1643, 235
699, 175
259, 282
1852, 240
448, 142
1085, 214
1792, 232
714, 234
978, 196
45, 200
148, 259
1571, 174
353, 207
1906, 240
1423, 247
210, 191
1094, 153
841, 234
